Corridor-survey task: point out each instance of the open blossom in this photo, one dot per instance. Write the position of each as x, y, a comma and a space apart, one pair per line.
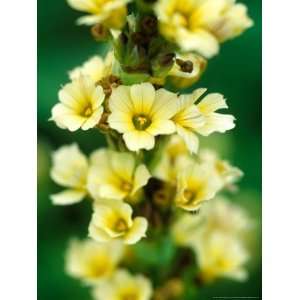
115, 175
140, 113
96, 68
196, 183
112, 220
187, 69
91, 261
228, 173
221, 255
70, 170
214, 122
225, 216
219, 215
188, 119
124, 286
110, 13
80, 105
200, 26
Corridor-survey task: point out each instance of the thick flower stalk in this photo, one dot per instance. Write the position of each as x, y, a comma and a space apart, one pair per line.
154, 181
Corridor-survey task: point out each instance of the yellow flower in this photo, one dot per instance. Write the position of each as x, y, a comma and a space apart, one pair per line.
221, 255
225, 216
124, 286
80, 105
214, 122
91, 261
96, 68
112, 219
70, 169
227, 172
115, 175
201, 25
196, 183
110, 13
140, 113
181, 75
188, 119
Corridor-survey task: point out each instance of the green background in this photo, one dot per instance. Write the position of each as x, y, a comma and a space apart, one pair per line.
236, 73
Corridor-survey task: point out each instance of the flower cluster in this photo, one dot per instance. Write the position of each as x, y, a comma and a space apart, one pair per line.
154, 169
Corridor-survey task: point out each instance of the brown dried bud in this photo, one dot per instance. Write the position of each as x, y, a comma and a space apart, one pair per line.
149, 25
167, 59
185, 65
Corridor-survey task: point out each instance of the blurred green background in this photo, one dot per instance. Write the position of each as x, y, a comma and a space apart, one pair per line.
236, 73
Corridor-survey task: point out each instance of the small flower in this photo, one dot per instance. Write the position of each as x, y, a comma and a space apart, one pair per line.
187, 69
96, 68
140, 113
70, 169
225, 216
228, 174
112, 220
115, 175
80, 105
110, 13
188, 119
91, 261
124, 286
201, 25
214, 122
221, 255
196, 183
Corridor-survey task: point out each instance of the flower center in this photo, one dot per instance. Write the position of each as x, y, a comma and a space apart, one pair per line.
120, 225
189, 195
141, 122
126, 186
87, 111
129, 296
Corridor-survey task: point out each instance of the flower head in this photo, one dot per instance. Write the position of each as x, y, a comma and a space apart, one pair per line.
80, 105
96, 68
221, 255
91, 261
201, 25
110, 13
70, 169
124, 286
196, 183
112, 220
228, 173
140, 113
115, 175
214, 122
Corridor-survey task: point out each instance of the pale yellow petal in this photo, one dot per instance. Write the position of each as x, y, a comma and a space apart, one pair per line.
120, 121
137, 230
123, 164
68, 197
98, 234
111, 192
137, 140
97, 97
217, 123
141, 178
211, 103
142, 96
199, 40
120, 100
190, 138
164, 106
161, 127
93, 120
